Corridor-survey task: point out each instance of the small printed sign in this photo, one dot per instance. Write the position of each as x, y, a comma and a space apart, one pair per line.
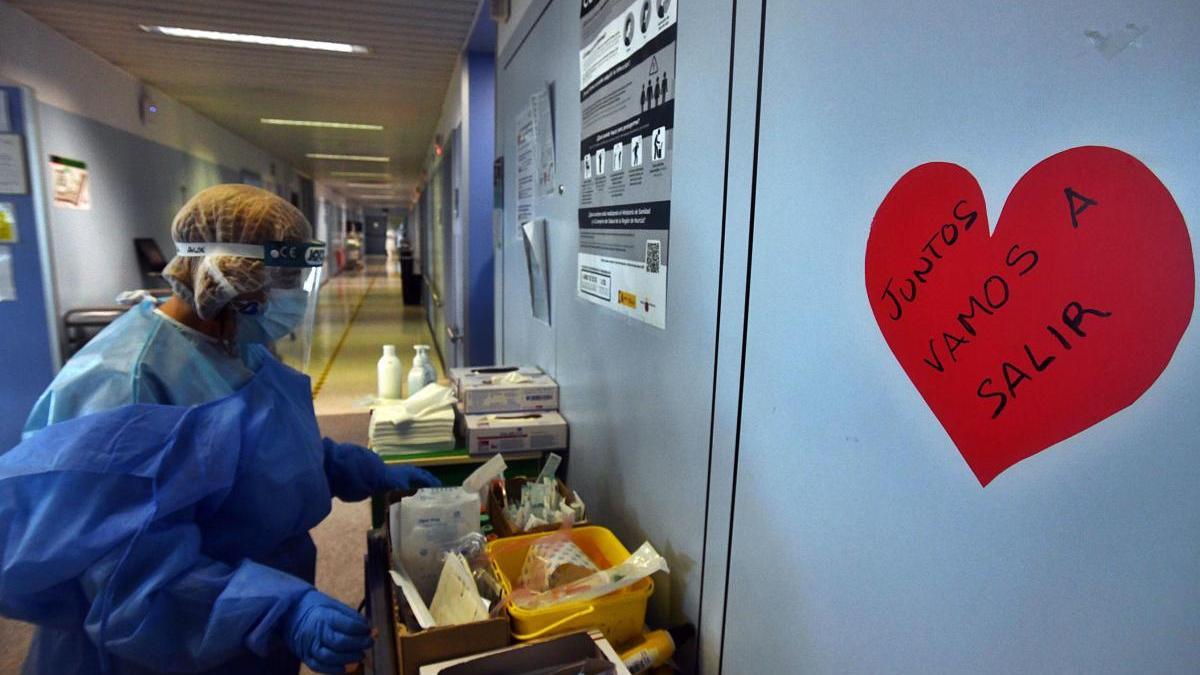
72, 188
12, 165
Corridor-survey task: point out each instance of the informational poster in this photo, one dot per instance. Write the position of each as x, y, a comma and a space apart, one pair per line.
72, 188
525, 156
1067, 313
543, 121
12, 165
627, 85
8, 223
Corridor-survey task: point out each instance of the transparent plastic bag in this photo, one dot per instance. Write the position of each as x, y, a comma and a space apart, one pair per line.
473, 549
554, 561
644, 562
431, 522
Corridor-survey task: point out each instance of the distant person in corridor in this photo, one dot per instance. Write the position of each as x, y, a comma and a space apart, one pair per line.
155, 518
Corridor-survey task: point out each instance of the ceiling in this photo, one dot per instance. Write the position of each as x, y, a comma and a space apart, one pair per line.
399, 84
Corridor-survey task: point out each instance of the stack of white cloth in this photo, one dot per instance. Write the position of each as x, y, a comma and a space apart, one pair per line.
423, 422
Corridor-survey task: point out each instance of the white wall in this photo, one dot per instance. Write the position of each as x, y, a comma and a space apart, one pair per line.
863, 543
506, 30
69, 77
331, 223
140, 174
639, 399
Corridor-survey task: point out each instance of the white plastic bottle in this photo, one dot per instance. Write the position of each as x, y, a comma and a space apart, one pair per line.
390, 371
426, 363
416, 379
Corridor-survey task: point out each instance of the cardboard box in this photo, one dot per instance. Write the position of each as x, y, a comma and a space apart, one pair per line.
564, 651
415, 647
490, 433
505, 527
434, 645
482, 390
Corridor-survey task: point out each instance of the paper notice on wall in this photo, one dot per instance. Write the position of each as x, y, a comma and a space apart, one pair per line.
12, 165
537, 259
525, 155
627, 86
71, 184
543, 121
5, 120
8, 289
8, 223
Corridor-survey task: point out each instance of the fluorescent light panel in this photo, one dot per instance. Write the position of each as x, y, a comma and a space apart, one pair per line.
323, 125
372, 186
360, 174
267, 40
348, 158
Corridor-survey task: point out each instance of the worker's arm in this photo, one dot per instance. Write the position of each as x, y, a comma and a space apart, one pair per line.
156, 600
356, 473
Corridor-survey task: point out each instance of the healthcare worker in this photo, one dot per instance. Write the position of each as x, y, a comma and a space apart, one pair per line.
155, 517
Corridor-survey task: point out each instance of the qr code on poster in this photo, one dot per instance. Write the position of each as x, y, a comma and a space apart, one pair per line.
653, 256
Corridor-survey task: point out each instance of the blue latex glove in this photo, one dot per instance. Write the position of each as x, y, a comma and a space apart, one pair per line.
356, 473
402, 477
325, 634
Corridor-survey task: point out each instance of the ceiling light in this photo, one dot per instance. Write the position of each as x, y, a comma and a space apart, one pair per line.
267, 40
323, 125
348, 158
360, 174
372, 186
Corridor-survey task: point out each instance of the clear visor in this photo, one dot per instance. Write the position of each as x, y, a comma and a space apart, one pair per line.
295, 348
283, 312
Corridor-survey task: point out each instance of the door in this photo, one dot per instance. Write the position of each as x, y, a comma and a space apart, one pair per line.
863, 541
453, 341
376, 235
441, 245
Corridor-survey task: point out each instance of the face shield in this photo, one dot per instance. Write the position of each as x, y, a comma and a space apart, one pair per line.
283, 310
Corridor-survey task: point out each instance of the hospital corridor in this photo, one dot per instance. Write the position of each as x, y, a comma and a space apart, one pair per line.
599, 337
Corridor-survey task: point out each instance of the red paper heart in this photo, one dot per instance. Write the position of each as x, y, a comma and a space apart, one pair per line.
1079, 298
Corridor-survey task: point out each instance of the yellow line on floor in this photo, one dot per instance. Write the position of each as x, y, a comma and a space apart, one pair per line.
341, 341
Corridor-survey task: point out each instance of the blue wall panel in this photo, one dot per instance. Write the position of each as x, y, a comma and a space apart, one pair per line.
26, 365
480, 322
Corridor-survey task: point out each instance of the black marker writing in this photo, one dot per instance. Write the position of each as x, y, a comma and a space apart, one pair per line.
1077, 204
1014, 374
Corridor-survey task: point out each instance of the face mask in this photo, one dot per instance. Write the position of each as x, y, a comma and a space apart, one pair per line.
283, 312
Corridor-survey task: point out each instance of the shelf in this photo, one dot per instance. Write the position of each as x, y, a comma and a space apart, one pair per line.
459, 456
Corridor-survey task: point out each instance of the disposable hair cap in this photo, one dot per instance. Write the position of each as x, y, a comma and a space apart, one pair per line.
235, 214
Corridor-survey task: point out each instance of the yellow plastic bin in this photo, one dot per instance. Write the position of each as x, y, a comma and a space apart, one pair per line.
620, 615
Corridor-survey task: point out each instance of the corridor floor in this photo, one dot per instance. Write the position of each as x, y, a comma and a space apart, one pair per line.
358, 313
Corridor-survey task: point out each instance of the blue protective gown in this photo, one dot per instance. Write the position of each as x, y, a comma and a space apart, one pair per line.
151, 538
142, 357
